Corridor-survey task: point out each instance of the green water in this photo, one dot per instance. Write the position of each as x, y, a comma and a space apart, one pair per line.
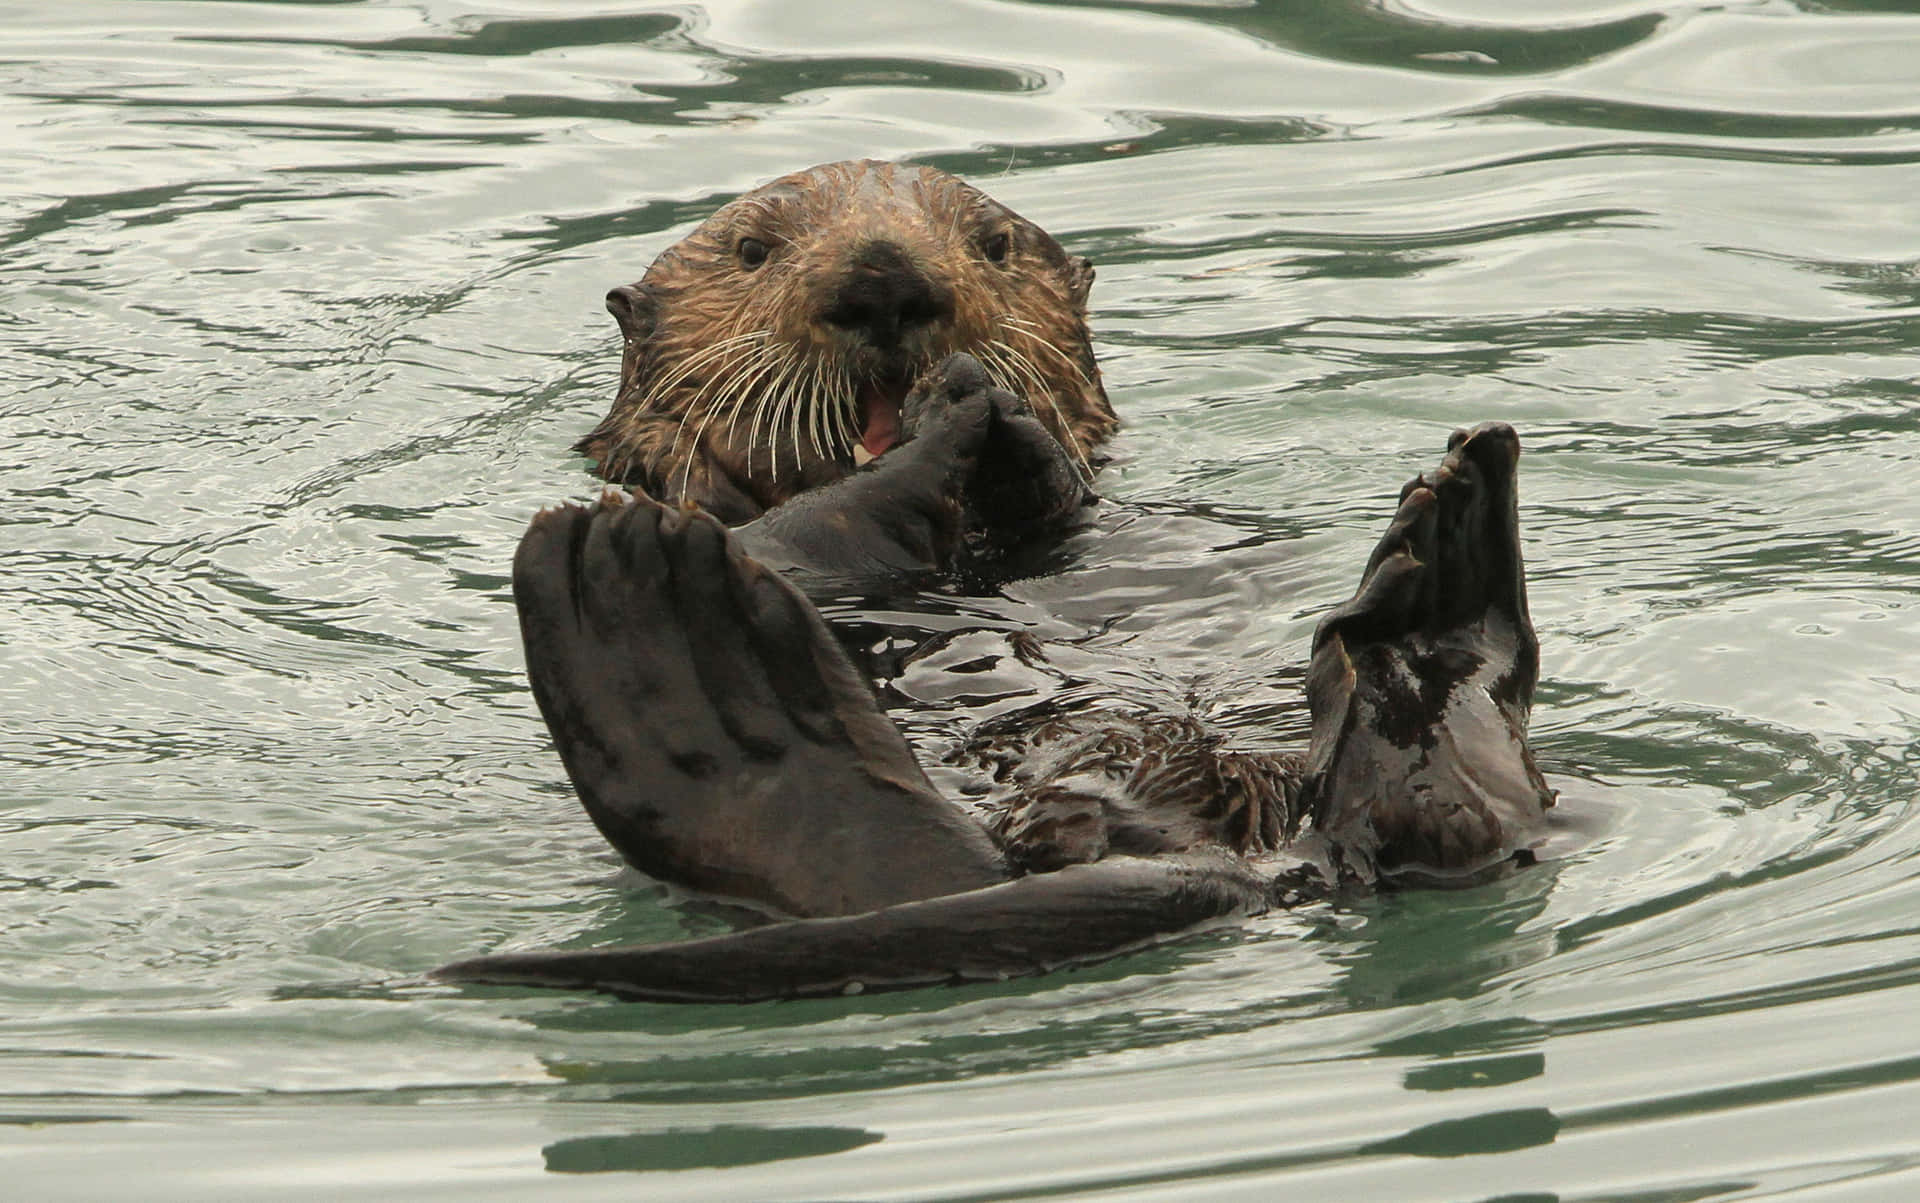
300, 310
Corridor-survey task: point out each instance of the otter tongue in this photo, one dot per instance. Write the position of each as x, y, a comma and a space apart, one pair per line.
879, 417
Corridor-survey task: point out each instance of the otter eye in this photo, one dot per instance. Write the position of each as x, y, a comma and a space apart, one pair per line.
995, 248
753, 253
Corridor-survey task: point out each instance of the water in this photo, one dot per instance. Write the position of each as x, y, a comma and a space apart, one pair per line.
299, 312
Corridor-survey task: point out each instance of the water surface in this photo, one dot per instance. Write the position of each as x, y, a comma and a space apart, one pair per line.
299, 313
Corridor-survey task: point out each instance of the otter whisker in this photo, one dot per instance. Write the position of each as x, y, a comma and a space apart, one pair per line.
657, 390
782, 421
802, 412
841, 402
817, 402
1052, 402
689, 410
1024, 327
1022, 377
700, 431
1011, 371
799, 422
833, 408
764, 360
707, 353
807, 417
761, 401
1040, 394
793, 410
840, 407
765, 400
775, 402
740, 374
742, 364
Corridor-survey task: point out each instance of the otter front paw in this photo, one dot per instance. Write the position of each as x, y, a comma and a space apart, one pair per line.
974, 476
1023, 483
902, 514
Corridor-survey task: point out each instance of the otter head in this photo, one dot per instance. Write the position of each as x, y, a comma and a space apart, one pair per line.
769, 351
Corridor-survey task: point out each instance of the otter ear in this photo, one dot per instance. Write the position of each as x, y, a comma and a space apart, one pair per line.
632, 305
1080, 279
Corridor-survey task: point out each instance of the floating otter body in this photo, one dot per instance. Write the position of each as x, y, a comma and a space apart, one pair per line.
718, 735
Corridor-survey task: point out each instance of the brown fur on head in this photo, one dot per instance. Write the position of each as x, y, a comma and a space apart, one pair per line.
782, 333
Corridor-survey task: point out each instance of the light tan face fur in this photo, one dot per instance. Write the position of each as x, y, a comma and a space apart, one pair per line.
740, 360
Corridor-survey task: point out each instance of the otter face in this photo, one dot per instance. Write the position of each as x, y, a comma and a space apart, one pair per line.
770, 350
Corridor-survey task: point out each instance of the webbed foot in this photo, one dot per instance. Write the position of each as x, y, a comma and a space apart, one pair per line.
712, 726
1421, 685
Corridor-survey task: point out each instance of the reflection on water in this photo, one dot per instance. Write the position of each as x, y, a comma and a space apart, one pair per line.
689, 1149
1493, 1132
299, 314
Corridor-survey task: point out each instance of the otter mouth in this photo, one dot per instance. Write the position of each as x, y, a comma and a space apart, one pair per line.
880, 399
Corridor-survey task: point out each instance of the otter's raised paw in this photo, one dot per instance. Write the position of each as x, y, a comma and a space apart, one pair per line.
712, 726
1421, 685
902, 514
1023, 483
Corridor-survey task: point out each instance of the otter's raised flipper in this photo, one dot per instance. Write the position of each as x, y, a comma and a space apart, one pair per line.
1033, 925
714, 729
1421, 685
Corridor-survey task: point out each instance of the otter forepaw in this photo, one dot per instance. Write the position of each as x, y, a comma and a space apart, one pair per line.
954, 381
1021, 482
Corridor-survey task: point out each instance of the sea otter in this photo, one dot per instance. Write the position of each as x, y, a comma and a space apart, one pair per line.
720, 737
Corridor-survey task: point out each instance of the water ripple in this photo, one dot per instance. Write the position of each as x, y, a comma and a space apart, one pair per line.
301, 314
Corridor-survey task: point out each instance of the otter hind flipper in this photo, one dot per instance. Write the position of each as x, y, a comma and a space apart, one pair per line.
1036, 924
1421, 685
714, 729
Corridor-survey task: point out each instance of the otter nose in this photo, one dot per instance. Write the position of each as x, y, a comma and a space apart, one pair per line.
883, 295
